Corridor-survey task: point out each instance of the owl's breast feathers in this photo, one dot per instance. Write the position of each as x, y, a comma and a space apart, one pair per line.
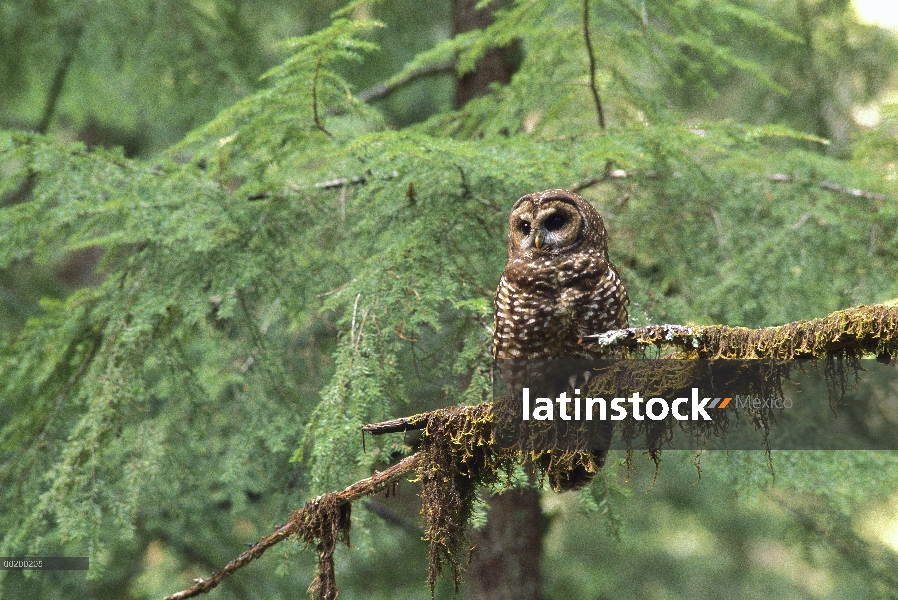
545, 306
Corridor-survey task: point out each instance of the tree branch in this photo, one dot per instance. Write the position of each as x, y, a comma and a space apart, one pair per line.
774, 178
401, 424
315, 98
866, 328
592, 66
870, 328
830, 186
608, 174
297, 521
71, 37
382, 90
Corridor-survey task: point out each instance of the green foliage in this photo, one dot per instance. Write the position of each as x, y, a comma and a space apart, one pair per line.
701, 540
296, 268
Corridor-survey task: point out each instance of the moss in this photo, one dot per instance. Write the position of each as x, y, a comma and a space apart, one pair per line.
460, 453
323, 522
850, 332
458, 458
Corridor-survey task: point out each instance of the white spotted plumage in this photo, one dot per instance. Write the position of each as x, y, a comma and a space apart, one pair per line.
558, 287
549, 298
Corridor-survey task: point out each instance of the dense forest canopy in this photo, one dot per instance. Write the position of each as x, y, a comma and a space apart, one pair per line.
231, 234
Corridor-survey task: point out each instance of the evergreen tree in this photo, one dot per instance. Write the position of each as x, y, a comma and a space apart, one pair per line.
307, 262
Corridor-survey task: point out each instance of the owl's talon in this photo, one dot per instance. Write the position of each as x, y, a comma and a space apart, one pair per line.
572, 380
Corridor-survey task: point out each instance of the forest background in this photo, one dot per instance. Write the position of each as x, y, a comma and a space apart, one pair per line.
232, 233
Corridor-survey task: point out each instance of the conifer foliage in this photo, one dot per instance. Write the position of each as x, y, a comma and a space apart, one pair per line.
297, 267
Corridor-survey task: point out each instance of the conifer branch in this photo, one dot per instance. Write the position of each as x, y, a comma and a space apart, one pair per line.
382, 90
592, 66
774, 178
300, 519
315, 116
98, 339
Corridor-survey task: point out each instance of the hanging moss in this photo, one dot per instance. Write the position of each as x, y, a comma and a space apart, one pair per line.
324, 522
458, 458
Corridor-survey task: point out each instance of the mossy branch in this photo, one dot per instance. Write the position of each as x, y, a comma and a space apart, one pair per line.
396, 425
327, 517
854, 331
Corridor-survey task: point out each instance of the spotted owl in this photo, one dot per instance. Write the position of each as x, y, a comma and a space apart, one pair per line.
558, 286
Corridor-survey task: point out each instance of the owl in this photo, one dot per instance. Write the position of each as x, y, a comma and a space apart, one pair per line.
558, 286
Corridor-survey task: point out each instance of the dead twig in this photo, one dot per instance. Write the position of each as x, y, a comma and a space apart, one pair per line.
397, 425
829, 186
592, 67
382, 90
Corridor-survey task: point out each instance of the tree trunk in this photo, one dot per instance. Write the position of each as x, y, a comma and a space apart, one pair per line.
507, 552
497, 64
505, 562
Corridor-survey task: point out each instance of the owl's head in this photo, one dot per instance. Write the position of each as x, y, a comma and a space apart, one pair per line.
554, 222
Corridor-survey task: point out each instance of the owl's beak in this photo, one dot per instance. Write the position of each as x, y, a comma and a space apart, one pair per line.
537, 240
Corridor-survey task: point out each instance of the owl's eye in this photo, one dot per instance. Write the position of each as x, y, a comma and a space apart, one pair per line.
554, 222
524, 227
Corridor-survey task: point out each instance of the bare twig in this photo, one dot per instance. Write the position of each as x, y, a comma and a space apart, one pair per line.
719, 227
835, 187
609, 173
71, 38
801, 221
335, 290
829, 186
382, 90
355, 309
592, 66
780, 178
315, 98
342, 182
370, 485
